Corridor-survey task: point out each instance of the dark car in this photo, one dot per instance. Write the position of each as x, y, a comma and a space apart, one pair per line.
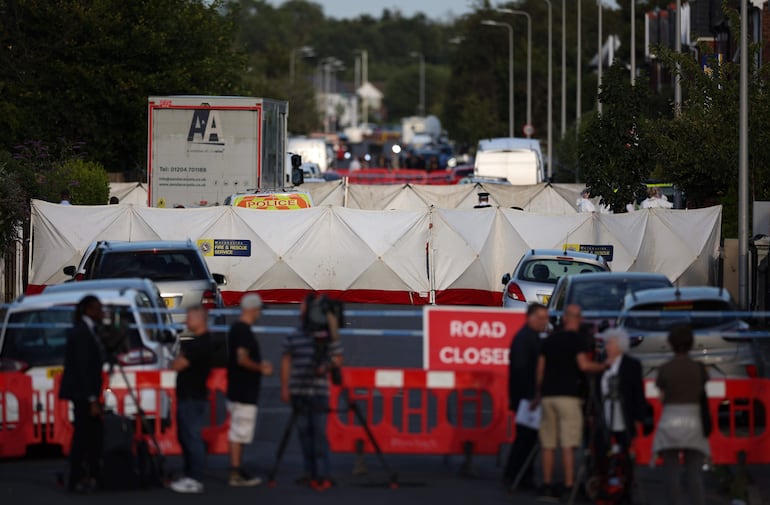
601, 293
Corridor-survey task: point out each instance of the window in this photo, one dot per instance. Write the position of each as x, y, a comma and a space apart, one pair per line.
40, 338
550, 270
664, 323
609, 294
182, 265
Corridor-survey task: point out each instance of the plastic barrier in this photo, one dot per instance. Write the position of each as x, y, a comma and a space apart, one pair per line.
739, 409
16, 414
156, 394
420, 412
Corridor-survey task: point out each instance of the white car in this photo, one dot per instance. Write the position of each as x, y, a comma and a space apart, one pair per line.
34, 332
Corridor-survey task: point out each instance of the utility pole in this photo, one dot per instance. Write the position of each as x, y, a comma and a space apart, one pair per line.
579, 70
678, 50
633, 42
600, 60
743, 164
550, 90
563, 68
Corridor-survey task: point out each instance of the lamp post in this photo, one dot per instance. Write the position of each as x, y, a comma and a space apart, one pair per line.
421, 57
633, 42
307, 52
743, 162
600, 59
364, 79
529, 57
489, 22
563, 68
678, 49
549, 133
579, 71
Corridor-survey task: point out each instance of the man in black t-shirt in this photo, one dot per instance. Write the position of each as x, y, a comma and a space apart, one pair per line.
564, 358
245, 369
192, 366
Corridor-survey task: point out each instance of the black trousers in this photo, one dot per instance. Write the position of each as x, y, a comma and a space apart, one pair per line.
86, 450
523, 444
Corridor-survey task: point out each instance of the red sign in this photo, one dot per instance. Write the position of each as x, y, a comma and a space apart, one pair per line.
468, 338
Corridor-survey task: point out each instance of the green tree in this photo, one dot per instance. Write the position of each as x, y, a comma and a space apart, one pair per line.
14, 206
86, 181
615, 151
83, 70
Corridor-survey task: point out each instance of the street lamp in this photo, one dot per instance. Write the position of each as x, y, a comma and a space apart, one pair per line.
489, 22
743, 158
364, 79
421, 57
563, 68
600, 60
529, 58
579, 73
329, 68
633, 42
305, 51
678, 49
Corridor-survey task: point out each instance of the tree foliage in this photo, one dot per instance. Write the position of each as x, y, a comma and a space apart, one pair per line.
83, 70
615, 151
13, 203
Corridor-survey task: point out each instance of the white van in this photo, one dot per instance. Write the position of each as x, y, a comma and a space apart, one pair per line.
312, 151
518, 160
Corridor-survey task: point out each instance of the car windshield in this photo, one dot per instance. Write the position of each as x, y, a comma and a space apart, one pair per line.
38, 337
155, 265
723, 315
550, 270
609, 294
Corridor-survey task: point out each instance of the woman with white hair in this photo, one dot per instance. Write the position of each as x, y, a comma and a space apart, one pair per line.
623, 406
622, 389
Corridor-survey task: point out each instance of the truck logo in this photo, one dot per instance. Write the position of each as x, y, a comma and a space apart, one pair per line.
205, 133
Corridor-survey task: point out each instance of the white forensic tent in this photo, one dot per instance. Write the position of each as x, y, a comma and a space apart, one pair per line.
405, 256
553, 199
133, 193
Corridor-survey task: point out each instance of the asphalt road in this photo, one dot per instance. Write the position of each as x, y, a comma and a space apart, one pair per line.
423, 479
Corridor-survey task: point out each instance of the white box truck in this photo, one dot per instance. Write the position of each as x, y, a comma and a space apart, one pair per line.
517, 160
202, 149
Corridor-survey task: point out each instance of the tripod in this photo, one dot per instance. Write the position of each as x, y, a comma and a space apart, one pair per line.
351, 406
155, 461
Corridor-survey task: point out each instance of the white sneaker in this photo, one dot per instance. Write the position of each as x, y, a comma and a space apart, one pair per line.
186, 485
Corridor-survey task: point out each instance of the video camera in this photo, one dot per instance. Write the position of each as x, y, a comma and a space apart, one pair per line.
322, 318
113, 331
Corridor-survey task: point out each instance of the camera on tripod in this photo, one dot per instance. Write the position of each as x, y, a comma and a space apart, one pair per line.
322, 318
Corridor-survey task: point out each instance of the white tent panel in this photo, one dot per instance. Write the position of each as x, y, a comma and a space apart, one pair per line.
457, 238
129, 193
625, 232
180, 224
65, 231
448, 197
326, 193
371, 197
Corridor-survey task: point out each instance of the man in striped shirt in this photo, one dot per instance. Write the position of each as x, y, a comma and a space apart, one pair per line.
309, 354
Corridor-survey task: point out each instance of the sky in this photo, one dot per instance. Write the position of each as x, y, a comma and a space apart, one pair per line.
434, 9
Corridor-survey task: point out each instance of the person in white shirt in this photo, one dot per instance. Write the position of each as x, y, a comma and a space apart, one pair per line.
584, 204
65, 197
656, 200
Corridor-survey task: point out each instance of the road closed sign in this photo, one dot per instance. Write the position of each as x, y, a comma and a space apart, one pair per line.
469, 338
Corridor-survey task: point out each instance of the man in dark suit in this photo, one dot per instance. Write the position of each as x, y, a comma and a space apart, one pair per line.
81, 383
523, 356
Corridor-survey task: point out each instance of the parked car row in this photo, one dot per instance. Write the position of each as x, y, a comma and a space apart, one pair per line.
645, 305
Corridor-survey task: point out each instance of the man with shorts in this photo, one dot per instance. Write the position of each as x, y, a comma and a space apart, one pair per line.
564, 358
245, 369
